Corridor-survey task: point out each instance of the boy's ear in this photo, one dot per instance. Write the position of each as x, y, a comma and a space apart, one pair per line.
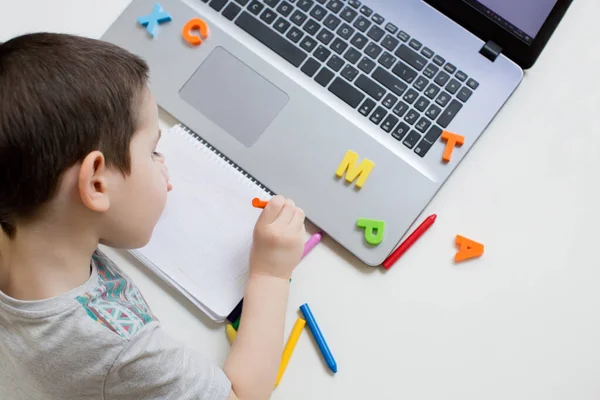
93, 182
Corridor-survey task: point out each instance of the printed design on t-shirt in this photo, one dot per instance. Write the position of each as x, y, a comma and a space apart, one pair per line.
116, 302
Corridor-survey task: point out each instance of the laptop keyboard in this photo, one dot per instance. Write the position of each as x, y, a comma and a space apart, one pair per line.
389, 77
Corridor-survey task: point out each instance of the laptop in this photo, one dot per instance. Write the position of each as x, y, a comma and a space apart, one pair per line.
288, 88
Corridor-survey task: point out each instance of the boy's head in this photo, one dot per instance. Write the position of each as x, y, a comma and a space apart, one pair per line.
78, 134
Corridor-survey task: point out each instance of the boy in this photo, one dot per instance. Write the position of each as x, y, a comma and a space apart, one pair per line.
79, 168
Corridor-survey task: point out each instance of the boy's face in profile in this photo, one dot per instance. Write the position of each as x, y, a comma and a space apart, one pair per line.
138, 200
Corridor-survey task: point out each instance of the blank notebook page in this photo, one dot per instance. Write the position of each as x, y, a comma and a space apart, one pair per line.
203, 239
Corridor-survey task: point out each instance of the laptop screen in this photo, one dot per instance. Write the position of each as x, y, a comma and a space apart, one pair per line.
523, 18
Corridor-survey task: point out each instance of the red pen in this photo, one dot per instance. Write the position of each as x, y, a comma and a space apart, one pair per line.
404, 246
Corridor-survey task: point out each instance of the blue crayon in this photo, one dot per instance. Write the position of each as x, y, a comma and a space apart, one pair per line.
314, 328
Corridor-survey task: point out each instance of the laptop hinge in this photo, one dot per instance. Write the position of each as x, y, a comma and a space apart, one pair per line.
491, 50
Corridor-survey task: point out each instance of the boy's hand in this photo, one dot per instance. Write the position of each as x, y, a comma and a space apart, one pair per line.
279, 237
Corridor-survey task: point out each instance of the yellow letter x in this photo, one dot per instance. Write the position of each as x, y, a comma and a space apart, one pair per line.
348, 166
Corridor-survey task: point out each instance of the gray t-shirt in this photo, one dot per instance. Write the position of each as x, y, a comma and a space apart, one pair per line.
99, 341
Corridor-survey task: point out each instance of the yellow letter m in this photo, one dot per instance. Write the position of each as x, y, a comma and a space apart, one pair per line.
354, 171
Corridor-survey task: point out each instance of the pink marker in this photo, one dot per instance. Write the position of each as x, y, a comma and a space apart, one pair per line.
312, 242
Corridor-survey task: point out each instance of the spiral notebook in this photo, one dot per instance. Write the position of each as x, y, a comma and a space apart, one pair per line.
201, 244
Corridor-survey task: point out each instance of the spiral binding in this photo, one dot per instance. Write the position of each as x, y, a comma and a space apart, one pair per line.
223, 157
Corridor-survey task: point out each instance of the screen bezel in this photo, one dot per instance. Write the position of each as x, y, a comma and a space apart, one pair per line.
514, 48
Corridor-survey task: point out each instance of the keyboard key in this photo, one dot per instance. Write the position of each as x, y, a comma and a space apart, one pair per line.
449, 114
338, 45
255, 7
271, 3
376, 33
348, 14
366, 65
366, 107
410, 96
311, 27
281, 25
378, 19
318, 13
285, 9
473, 84
362, 24
268, 16
322, 53
335, 63
405, 72
269, 38
389, 123
218, 5
423, 147
434, 134
432, 91
427, 52
430, 71
346, 92
412, 139
307, 43
324, 76
390, 42
422, 104
240, 2
366, 11
439, 60
345, 31
370, 87
464, 94
294, 34
442, 78
391, 28
413, 59
349, 72
389, 101
443, 99
310, 67
453, 86
322, 1
420, 83
378, 115
352, 55
461, 76
400, 131
354, 3
231, 11
332, 22
433, 112
449, 68
298, 17
335, 6
373, 50
359, 41
403, 36
387, 60
423, 125
305, 5
415, 44
325, 36
390, 81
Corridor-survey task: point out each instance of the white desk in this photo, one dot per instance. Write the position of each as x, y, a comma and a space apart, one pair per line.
522, 322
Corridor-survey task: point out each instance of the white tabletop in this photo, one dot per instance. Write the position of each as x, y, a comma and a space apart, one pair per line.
522, 322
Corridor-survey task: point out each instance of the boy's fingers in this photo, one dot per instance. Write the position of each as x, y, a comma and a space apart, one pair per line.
298, 218
272, 210
287, 212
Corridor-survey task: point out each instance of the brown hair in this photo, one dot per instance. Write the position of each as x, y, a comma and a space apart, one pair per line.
61, 97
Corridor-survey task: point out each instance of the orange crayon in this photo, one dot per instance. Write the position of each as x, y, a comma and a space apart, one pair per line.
258, 203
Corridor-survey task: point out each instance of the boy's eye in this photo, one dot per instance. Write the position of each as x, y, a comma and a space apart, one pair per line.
156, 154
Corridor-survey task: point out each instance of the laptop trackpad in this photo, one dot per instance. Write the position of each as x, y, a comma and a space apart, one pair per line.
233, 96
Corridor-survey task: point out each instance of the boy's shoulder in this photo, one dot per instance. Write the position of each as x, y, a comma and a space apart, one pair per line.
114, 301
